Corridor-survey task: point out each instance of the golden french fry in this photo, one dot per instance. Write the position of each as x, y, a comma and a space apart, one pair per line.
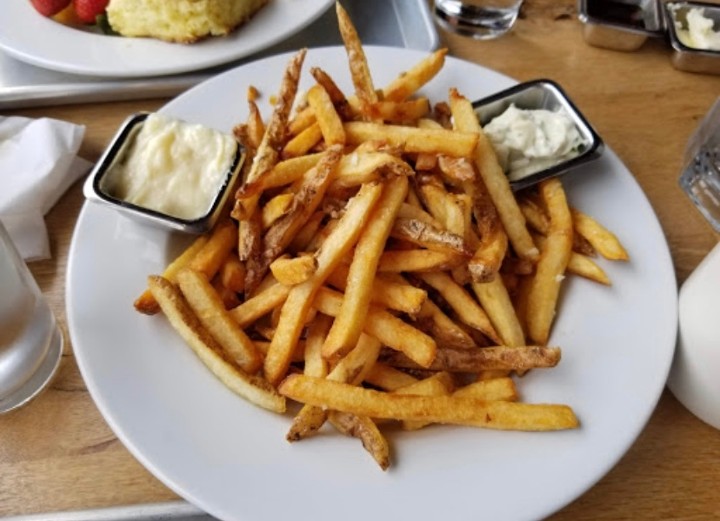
417, 260
351, 369
306, 201
413, 139
303, 142
436, 409
387, 328
399, 296
582, 265
495, 300
259, 305
326, 116
442, 328
400, 112
146, 303
211, 256
178, 312
232, 274
349, 322
210, 310
359, 70
291, 271
545, 287
603, 240
275, 208
410, 81
494, 178
274, 136
339, 101
466, 308
388, 378
300, 299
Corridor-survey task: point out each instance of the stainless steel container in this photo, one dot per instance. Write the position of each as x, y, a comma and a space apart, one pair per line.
685, 57
96, 186
548, 95
621, 25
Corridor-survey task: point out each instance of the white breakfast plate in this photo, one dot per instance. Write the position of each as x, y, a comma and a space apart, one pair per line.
33, 38
231, 459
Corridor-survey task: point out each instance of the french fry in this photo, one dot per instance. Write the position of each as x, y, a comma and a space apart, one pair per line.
300, 298
146, 303
387, 328
351, 369
495, 300
275, 208
462, 360
339, 101
467, 309
295, 270
388, 378
413, 139
181, 317
400, 112
437, 409
410, 81
443, 328
232, 274
275, 132
494, 178
305, 202
303, 142
554, 258
365, 430
417, 260
349, 322
260, 304
359, 70
603, 240
426, 235
208, 307
399, 296
326, 116
211, 256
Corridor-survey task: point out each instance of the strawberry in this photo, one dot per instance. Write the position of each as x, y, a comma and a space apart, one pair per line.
89, 10
49, 7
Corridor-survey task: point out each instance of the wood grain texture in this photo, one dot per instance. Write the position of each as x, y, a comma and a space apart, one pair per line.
58, 453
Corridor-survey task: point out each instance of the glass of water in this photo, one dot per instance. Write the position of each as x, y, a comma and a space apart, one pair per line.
700, 179
31, 341
480, 19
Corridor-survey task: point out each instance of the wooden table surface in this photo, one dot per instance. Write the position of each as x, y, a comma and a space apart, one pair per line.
57, 453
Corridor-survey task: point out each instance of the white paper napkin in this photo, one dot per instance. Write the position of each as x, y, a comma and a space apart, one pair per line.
38, 163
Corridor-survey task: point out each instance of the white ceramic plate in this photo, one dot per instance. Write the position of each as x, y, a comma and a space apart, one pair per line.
231, 458
32, 38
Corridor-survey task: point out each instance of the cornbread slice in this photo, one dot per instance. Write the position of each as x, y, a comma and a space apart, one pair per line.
183, 21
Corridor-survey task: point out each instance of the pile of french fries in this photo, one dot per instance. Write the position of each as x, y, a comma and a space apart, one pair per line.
375, 265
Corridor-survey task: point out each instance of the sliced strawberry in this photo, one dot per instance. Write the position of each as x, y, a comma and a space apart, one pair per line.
49, 7
89, 10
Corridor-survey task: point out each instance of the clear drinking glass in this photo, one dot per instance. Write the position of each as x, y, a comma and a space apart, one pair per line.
701, 178
480, 19
30, 339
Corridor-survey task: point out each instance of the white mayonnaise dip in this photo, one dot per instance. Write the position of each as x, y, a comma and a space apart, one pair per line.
527, 141
173, 167
699, 33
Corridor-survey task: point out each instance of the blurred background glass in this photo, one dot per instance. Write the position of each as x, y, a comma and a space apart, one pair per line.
480, 19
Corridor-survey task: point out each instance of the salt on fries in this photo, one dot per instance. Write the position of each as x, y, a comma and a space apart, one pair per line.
376, 266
